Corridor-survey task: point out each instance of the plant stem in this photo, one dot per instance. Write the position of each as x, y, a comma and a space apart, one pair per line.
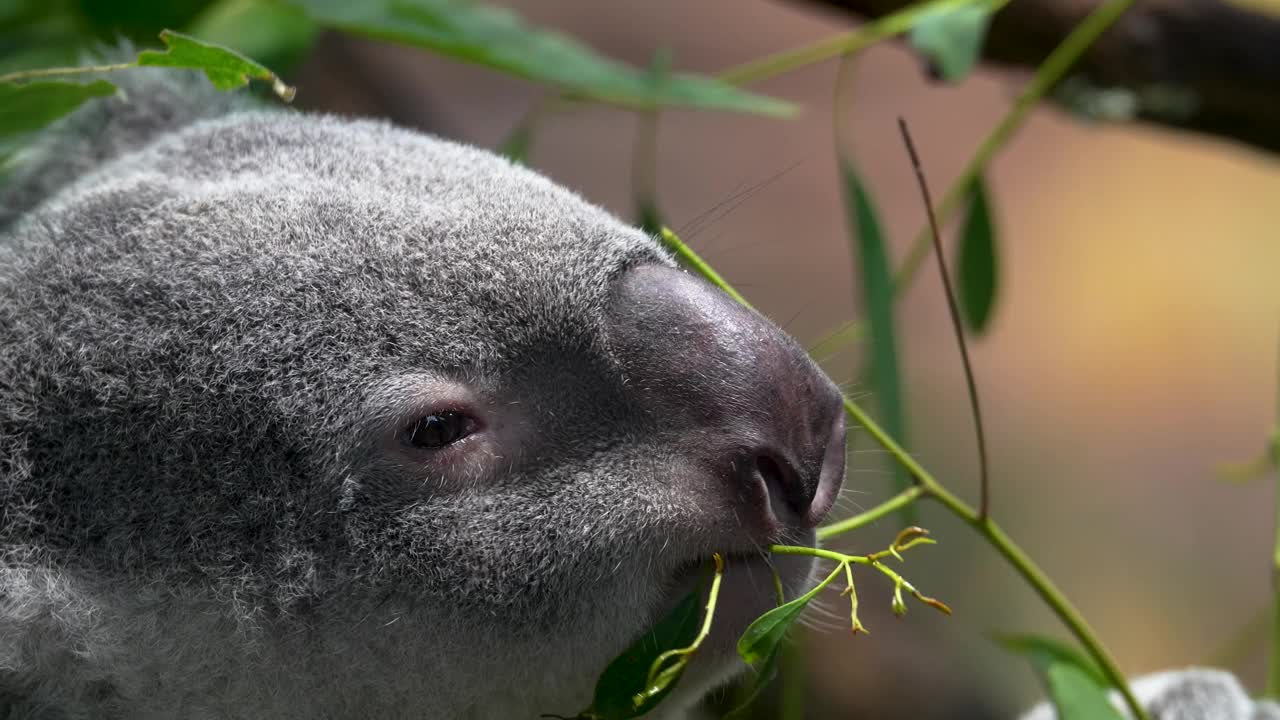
987, 528
903, 498
1046, 589
1047, 76
689, 257
1273, 661
845, 43
23, 75
984, 485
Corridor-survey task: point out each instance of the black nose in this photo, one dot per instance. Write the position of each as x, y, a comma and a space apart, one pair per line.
738, 392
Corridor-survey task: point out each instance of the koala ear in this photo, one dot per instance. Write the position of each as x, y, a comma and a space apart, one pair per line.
1190, 694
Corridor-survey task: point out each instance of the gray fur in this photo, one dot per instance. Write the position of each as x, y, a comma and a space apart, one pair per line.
1188, 694
208, 343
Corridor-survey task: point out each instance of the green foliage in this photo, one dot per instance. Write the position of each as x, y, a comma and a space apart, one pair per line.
872, 258
978, 266
274, 34
226, 69
950, 38
497, 38
28, 107
625, 690
760, 642
1075, 685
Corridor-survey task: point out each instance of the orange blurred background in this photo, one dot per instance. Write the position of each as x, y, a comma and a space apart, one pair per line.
1134, 343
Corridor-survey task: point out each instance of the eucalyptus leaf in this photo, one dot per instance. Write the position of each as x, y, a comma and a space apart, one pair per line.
763, 637
872, 259
1043, 651
516, 146
951, 37
499, 39
648, 217
272, 33
979, 266
1075, 685
225, 68
1076, 696
27, 107
627, 676
764, 674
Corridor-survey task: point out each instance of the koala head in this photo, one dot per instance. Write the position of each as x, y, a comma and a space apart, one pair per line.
309, 413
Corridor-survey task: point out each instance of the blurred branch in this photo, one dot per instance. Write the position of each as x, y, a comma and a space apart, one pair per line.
1204, 66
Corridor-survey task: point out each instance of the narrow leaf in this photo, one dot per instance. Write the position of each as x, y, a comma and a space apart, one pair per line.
763, 675
1075, 685
273, 33
1043, 651
978, 266
1077, 696
877, 299
226, 69
763, 636
627, 676
648, 217
950, 38
27, 107
515, 147
499, 39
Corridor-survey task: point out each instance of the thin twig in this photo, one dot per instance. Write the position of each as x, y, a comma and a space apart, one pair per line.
974, 406
25, 75
1047, 76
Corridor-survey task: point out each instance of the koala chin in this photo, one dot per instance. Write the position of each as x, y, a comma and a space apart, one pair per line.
310, 417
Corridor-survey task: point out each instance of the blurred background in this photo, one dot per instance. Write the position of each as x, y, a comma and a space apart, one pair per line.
1133, 345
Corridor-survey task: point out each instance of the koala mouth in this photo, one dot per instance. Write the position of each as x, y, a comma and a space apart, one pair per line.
749, 586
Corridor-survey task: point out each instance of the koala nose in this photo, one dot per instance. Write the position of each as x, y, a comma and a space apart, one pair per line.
737, 393
802, 481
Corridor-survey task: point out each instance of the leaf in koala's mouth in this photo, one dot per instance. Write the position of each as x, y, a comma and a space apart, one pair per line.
624, 689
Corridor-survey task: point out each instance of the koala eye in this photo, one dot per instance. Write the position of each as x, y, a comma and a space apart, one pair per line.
439, 429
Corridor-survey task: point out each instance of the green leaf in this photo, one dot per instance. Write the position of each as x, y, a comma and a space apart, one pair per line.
1076, 696
517, 144
1043, 652
951, 38
1075, 685
877, 296
979, 268
273, 33
764, 675
27, 107
497, 38
226, 69
763, 637
648, 217
627, 676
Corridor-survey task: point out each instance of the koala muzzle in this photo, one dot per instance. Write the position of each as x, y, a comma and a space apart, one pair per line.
733, 391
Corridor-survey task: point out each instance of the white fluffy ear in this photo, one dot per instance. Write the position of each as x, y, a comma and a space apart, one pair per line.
1189, 694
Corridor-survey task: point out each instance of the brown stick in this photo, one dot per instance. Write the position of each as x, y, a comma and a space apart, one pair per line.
1205, 66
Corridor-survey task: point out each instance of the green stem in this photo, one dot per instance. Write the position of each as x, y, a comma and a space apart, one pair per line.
846, 43
906, 497
712, 597
690, 258
987, 528
1047, 76
24, 75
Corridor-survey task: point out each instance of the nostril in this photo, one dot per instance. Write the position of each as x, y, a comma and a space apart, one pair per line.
769, 471
785, 483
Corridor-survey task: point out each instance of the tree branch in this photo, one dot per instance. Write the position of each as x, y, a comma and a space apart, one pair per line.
1204, 66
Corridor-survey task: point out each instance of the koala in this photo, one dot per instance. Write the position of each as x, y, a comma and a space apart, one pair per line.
313, 417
